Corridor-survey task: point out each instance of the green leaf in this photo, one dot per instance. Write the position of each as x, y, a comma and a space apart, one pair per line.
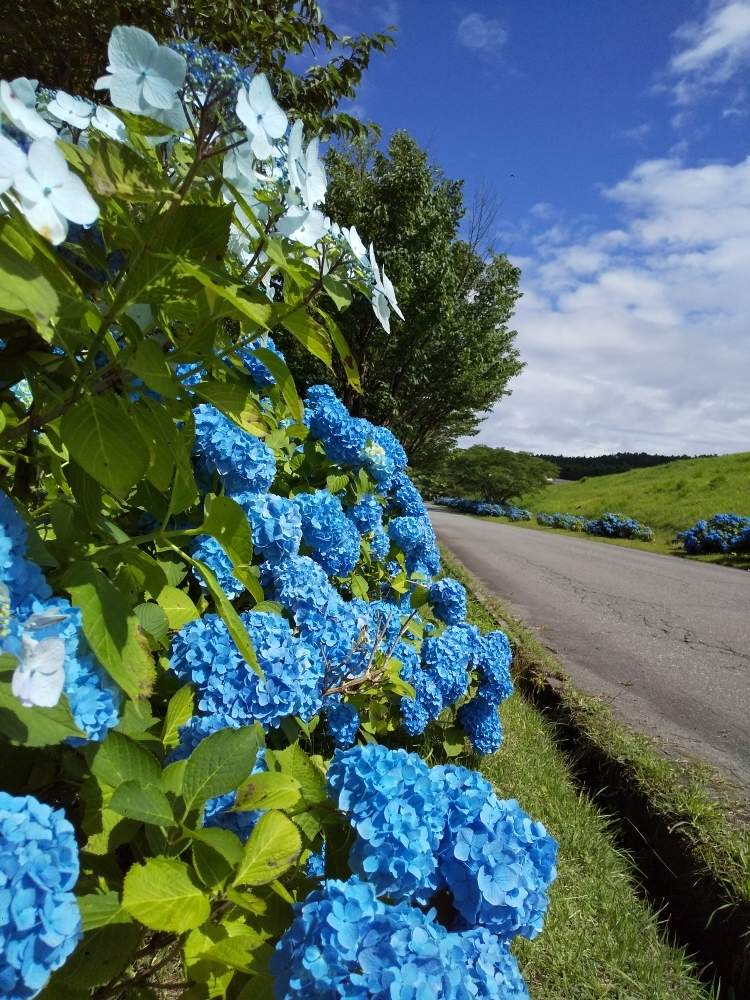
180, 708
216, 854
230, 617
269, 790
116, 169
112, 631
284, 380
337, 483
227, 522
309, 333
98, 909
233, 298
308, 771
152, 619
26, 293
146, 803
102, 955
86, 490
103, 440
219, 763
344, 352
273, 847
359, 586
120, 759
35, 727
149, 363
177, 606
339, 292
162, 895
236, 400
454, 741
172, 777
161, 437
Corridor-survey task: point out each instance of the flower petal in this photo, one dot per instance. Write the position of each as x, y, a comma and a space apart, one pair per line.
74, 202
47, 164
130, 49
47, 222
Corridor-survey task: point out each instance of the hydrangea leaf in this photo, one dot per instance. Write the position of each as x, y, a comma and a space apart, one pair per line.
118, 170
101, 908
152, 619
149, 363
104, 442
162, 895
343, 350
145, 803
309, 333
101, 955
219, 763
160, 434
284, 379
307, 771
120, 759
235, 299
216, 854
273, 847
26, 293
180, 708
339, 292
227, 522
236, 400
111, 629
268, 790
35, 727
177, 606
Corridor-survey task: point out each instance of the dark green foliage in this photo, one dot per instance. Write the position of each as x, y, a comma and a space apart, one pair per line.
453, 357
494, 474
578, 466
262, 34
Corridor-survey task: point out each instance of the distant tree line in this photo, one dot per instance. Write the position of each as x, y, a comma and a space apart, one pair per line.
494, 475
578, 466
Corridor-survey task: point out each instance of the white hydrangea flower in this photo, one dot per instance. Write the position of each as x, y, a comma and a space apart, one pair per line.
12, 162
74, 111
142, 76
354, 240
40, 675
383, 294
107, 122
18, 104
307, 176
50, 195
261, 116
303, 226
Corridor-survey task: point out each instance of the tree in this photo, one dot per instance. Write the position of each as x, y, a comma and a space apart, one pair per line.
495, 474
452, 358
262, 34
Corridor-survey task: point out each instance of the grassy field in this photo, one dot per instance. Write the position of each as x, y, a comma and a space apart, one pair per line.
601, 940
668, 498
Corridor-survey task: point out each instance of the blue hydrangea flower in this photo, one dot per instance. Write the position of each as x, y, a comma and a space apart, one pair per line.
380, 544
416, 539
210, 552
497, 863
40, 924
218, 812
447, 657
394, 802
255, 367
491, 658
204, 653
427, 703
243, 462
332, 538
276, 524
406, 498
366, 514
480, 721
315, 866
448, 600
22, 577
342, 721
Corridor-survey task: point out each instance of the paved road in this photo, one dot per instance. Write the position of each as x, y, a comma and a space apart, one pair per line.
665, 642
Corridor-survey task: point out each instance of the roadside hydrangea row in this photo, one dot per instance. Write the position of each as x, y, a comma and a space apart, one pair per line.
484, 509
570, 522
40, 924
611, 525
720, 533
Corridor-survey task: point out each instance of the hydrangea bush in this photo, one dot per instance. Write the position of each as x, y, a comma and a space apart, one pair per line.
223, 630
607, 525
720, 533
483, 509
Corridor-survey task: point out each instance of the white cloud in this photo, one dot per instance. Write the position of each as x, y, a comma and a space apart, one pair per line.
484, 34
637, 337
637, 133
711, 51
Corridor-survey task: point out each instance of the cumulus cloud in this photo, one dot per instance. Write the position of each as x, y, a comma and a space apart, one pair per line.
710, 51
483, 34
637, 337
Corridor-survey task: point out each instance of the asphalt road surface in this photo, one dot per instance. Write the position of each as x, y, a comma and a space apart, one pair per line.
664, 641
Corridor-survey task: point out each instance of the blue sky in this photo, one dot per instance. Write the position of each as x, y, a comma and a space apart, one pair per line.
614, 135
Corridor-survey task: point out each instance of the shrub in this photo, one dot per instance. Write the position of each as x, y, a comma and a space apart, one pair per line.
720, 533
206, 585
608, 525
484, 509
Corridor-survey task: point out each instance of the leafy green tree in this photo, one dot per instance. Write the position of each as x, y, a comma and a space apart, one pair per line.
264, 34
495, 474
453, 356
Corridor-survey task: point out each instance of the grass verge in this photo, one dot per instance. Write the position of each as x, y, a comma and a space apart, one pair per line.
691, 843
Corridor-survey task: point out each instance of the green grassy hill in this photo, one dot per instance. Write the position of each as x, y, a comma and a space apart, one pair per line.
669, 498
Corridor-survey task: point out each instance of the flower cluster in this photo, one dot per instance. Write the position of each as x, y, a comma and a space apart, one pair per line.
720, 533
346, 942
416, 539
333, 540
40, 924
275, 522
610, 525
204, 653
448, 600
569, 522
484, 509
242, 461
